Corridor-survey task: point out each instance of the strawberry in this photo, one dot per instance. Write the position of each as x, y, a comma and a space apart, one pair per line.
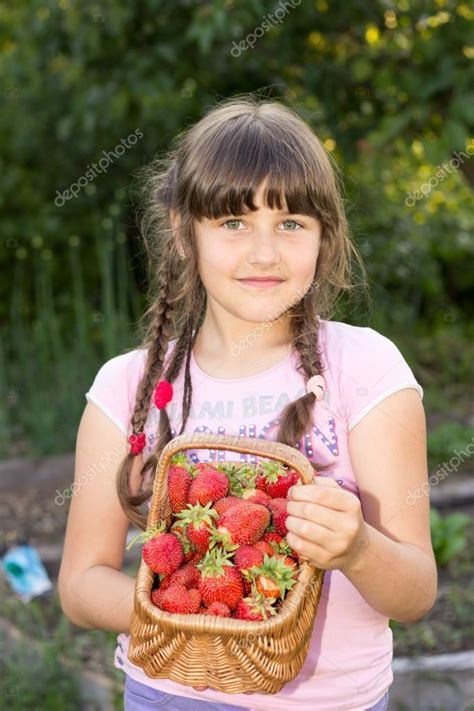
273, 577
208, 486
241, 477
278, 479
179, 530
162, 552
288, 560
187, 575
165, 581
179, 482
178, 599
255, 607
198, 520
279, 515
226, 503
157, 596
272, 537
244, 523
256, 496
246, 556
264, 547
220, 579
220, 609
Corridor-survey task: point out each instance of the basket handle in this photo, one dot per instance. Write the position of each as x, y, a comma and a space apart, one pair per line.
273, 450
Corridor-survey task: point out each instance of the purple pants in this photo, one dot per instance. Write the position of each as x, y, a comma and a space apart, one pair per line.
141, 697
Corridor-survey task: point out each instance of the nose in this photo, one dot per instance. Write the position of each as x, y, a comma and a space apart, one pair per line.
264, 248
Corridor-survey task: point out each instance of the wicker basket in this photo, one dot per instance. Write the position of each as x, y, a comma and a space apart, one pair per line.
226, 654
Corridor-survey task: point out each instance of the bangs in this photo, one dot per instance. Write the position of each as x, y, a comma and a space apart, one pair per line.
235, 162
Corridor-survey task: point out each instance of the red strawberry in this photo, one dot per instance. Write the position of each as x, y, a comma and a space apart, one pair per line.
264, 547
278, 479
208, 486
188, 575
241, 477
220, 580
247, 587
272, 537
196, 557
198, 520
273, 578
256, 496
157, 596
261, 482
166, 580
255, 607
246, 556
162, 552
288, 560
179, 530
220, 609
226, 503
279, 515
179, 481
244, 523
178, 599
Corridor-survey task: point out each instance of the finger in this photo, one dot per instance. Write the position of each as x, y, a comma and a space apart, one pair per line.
326, 495
311, 533
311, 511
307, 549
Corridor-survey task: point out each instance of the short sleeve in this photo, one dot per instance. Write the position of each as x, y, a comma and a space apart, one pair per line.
115, 385
371, 368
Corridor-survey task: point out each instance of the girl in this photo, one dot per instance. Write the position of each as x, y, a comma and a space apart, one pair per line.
239, 323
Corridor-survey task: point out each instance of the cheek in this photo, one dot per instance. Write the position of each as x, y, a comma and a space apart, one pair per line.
215, 264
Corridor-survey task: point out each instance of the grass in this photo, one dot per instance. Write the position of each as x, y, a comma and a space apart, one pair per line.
60, 341
45, 663
449, 626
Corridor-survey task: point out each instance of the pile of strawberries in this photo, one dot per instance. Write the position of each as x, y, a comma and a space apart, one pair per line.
225, 552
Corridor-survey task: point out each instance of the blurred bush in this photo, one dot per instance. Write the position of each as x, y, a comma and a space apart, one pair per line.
385, 87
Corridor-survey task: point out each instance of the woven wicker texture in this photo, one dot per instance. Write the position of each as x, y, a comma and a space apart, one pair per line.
227, 654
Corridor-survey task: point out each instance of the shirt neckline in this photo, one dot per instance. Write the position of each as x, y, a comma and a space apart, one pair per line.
262, 373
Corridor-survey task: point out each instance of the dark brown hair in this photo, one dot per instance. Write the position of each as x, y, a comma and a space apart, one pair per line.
215, 168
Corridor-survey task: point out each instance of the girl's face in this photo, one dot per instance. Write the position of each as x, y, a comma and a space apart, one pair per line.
265, 243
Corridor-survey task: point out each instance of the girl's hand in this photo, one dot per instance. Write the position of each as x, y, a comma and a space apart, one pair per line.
325, 523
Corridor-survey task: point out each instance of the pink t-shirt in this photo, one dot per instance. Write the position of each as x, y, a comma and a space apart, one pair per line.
348, 665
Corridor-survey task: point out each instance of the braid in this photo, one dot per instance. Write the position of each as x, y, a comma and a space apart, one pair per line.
297, 417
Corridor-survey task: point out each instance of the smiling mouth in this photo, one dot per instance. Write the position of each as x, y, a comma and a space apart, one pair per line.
261, 283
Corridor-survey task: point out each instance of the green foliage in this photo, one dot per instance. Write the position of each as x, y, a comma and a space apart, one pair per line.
448, 535
447, 438
385, 89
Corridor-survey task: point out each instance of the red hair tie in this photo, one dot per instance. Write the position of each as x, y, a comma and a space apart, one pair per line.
163, 394
137, 442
